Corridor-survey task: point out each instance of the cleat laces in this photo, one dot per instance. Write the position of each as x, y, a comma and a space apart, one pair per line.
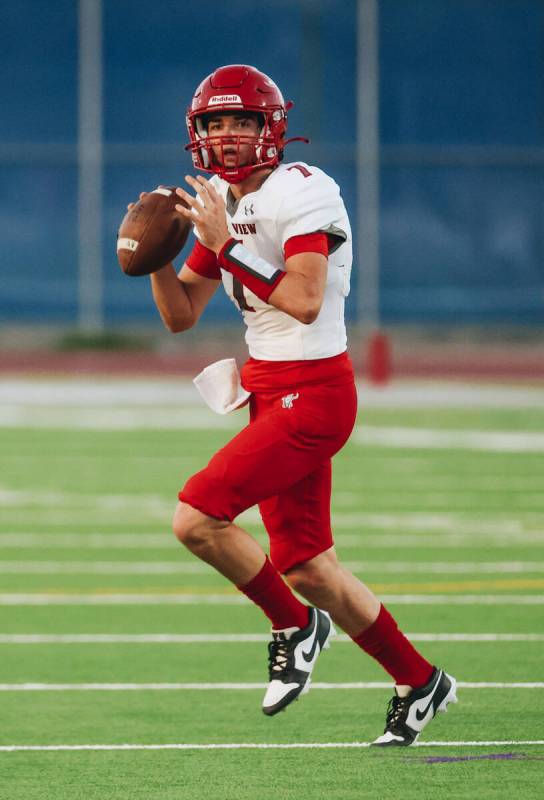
278, 658
397, 711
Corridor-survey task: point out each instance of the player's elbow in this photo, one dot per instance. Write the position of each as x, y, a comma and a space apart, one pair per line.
309, 310
177, 324
307, 317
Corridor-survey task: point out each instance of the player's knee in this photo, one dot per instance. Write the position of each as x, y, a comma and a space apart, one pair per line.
315, 576
304, 581
193, 528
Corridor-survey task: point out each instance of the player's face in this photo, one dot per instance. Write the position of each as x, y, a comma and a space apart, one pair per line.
232, 152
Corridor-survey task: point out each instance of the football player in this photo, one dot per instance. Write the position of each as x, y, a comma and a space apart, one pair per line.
277, 236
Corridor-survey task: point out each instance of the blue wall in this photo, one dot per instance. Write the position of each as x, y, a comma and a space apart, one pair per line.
462, 130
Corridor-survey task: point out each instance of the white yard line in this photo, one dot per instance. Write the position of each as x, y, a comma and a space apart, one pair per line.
236, 638
412, 521
14, 748
43, 502
72, 517
59, 599
205, 687
444, 567
188, 417
90, 541
165, 541
91, 418
38, 498
196, 568
493, 441
180, 392
98, 392
18, 599
404, 529
106, 568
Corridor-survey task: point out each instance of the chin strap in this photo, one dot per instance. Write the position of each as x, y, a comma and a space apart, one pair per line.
296, 139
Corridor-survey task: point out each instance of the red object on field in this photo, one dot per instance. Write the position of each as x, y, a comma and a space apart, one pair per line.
379, 358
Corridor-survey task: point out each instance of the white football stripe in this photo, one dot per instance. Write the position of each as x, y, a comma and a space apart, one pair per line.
235, 687
14, 748
127, 244
236, 638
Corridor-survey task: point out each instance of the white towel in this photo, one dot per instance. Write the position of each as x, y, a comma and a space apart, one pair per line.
220, 387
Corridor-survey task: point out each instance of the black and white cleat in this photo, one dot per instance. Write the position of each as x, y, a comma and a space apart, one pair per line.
292, 655
407, 715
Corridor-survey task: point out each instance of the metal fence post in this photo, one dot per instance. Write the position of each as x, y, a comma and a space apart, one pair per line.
90, 165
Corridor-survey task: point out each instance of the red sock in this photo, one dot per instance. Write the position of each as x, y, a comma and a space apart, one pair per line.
390, 647
269, 591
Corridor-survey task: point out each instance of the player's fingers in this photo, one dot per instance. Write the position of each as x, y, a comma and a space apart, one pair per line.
208, 192
200, 186
130, 205
213, 194
189, 199
209, 187
188, 213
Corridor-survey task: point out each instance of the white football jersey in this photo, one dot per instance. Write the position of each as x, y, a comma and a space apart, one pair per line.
295, 199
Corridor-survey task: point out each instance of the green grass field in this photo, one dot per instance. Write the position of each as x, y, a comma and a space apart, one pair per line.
111, 634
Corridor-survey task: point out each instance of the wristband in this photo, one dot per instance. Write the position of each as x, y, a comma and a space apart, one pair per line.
254, 272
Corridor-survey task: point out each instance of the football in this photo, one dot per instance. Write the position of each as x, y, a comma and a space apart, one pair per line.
152, 233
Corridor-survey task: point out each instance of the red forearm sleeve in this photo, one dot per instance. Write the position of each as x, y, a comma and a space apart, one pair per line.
203, 261
254, 272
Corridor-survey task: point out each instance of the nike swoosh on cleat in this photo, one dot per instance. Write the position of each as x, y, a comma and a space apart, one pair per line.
432, 702
308, 657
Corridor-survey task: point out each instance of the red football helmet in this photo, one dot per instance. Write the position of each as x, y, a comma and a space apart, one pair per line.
232, 89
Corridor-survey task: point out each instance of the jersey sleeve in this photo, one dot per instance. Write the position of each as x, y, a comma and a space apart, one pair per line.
307, 243
203, 261
311, 203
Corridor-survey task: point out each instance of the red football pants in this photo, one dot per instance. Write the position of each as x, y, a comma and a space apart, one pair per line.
282, 462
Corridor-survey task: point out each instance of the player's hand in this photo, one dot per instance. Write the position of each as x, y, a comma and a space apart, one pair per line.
206, 211
142, 195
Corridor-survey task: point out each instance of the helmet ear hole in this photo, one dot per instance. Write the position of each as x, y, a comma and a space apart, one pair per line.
201, 125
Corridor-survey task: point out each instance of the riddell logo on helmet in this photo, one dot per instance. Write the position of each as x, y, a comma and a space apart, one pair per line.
225, 99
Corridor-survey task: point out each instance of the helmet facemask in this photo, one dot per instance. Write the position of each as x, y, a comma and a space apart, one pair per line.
267, 144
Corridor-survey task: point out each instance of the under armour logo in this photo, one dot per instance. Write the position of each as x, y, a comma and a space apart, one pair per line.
249, 210
288, 400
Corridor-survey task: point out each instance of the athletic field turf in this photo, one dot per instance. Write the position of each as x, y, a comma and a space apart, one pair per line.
130, 670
